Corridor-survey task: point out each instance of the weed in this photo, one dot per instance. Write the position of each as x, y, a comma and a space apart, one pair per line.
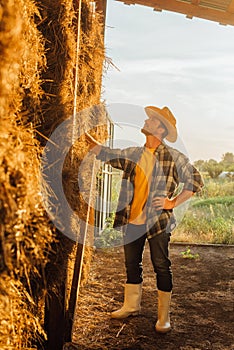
187, 254
208, 220
218, 188
109, 237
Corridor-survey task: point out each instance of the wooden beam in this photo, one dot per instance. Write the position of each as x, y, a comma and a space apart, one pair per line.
188, 9
195, 2
101, 7
231, 7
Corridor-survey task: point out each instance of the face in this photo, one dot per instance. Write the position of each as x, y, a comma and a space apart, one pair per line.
153, 126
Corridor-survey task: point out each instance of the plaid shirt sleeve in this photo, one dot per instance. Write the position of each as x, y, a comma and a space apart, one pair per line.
188, 174
118, 158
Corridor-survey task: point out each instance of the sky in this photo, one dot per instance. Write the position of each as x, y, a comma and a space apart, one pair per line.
165, 59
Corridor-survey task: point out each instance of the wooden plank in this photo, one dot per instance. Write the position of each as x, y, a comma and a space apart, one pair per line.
195, 2
70, 315
54, 319
191, 10
55, 322
101, 8
231, 7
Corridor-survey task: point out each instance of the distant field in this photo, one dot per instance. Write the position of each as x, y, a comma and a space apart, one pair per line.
210, 217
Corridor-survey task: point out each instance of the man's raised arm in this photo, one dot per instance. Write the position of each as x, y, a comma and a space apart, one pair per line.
95, 145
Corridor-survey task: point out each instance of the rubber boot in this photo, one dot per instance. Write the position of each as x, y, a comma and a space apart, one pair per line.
163, 322
132, 301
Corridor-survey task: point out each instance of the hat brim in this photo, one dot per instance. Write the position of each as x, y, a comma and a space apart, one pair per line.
172, 131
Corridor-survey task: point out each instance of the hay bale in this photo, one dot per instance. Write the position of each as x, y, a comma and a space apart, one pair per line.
37, 53
25, 234
59, 28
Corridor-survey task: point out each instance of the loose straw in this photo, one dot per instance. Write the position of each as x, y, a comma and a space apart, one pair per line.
83, 247
74, 126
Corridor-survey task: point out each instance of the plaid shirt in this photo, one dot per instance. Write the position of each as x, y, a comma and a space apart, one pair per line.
171, 168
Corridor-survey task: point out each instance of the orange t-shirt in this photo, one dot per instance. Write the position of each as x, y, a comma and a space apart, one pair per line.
142, 182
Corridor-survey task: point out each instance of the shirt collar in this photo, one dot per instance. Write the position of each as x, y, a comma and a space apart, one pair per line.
160, 147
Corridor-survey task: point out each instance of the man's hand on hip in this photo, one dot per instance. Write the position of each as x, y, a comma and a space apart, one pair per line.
163, 203
166, 203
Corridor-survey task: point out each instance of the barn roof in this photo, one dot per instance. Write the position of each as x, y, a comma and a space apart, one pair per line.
221, 11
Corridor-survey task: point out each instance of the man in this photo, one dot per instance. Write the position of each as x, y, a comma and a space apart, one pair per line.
151, 175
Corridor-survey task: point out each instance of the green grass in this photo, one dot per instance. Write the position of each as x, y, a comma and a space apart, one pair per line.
209, 220
218, 188
226, 201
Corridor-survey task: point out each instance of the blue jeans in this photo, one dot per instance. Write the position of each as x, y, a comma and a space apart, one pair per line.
133, 250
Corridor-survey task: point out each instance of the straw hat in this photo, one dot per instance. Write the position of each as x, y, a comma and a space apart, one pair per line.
166, 117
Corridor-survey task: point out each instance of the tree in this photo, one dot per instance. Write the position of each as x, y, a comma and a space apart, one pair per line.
213, 168
199, 164
228, 161
228, 158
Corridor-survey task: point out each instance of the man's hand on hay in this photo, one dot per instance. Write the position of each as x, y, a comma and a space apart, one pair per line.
95, 145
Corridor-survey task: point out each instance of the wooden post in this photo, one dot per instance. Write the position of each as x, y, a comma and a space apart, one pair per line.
101, 8
54, 320
74, 290
55, 273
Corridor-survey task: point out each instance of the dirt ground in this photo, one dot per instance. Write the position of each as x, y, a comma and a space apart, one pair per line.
201, 308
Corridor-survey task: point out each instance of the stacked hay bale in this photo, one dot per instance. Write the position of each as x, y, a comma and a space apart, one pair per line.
25, 233
37, 74
59, 27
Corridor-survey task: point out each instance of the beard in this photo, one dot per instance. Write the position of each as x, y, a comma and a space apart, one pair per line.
145, 132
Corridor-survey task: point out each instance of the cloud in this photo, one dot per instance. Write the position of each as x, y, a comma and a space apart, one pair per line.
165, 59
222, 65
